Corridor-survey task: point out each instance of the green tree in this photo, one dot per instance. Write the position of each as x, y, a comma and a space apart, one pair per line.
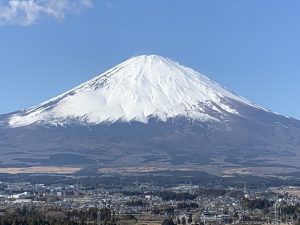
190, 219
183, 220
168, 221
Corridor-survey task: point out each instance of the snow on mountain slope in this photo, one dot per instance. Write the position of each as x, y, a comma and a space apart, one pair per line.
135, 90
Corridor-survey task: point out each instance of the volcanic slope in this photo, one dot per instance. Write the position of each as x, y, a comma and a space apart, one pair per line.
150, 111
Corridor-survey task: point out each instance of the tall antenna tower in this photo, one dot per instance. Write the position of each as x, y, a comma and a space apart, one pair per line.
77, 183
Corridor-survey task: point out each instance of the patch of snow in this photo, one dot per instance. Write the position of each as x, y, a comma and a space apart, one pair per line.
135, 90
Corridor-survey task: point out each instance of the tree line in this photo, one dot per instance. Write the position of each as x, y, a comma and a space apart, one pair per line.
29, 215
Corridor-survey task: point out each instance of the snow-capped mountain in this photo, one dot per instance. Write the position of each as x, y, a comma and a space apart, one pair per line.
140, 88
150, 111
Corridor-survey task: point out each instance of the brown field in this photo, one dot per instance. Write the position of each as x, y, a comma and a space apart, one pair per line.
294, 191
40, 169
258, 171
142, 219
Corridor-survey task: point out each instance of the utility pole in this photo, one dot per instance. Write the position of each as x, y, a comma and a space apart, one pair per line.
276, 212
99, 211
99, 217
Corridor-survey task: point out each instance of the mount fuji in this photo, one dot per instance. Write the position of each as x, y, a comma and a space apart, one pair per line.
150, 111
136, 90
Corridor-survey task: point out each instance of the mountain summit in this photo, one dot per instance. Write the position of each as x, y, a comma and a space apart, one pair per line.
151, 111
138, 89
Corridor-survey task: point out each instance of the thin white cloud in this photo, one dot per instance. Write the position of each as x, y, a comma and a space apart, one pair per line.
27, 12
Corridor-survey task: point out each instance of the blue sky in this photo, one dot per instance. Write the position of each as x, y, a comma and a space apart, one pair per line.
251, 47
